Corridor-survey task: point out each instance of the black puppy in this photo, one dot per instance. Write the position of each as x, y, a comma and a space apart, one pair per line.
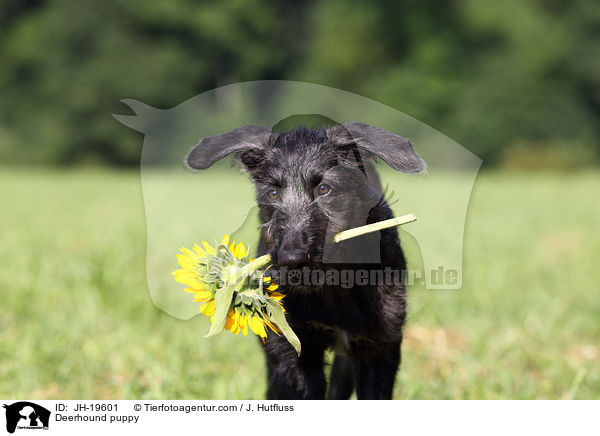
310, 185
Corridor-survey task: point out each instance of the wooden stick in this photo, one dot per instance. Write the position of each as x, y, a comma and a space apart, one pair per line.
370, 228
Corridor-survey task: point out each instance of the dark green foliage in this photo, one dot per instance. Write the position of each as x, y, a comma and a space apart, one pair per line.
498, 77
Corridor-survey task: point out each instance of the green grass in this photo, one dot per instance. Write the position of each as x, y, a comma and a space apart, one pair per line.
76, 320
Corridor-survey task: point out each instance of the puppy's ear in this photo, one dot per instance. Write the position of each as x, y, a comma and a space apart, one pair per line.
394, 150
247, 140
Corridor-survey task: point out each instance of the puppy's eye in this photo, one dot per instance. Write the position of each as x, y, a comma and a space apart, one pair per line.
323, 189
272, 193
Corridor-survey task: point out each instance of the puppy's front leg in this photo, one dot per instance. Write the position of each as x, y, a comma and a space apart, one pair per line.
375, 372
293, 377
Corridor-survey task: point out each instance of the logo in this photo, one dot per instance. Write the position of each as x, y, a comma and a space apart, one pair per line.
434, 244
26, 415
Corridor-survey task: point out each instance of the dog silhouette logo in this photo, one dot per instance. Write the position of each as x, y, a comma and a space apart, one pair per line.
26, 415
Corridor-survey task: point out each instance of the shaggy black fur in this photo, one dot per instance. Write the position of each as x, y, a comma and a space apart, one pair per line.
310, 185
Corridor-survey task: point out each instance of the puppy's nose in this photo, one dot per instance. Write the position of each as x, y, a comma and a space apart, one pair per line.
292, 257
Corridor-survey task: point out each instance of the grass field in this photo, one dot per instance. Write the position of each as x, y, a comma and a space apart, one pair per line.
76, 320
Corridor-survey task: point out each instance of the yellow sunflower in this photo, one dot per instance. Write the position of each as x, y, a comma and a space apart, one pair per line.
206, 270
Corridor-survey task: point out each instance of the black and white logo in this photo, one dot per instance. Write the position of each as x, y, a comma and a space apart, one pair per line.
26, 415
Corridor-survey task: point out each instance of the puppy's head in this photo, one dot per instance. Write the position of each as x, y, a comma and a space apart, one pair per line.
310, 183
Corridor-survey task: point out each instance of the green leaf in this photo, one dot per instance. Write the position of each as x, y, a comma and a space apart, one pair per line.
223, 299
278, 318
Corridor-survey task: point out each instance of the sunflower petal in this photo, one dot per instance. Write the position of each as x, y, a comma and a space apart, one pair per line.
276, 296
229, 322
258, 327
225, 240
208, 308
244, 324
199, 251
186, 261
240, 251
208, 248
188, 278
189, 253
200, 296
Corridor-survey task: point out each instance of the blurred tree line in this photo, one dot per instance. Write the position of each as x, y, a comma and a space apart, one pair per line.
517, 82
